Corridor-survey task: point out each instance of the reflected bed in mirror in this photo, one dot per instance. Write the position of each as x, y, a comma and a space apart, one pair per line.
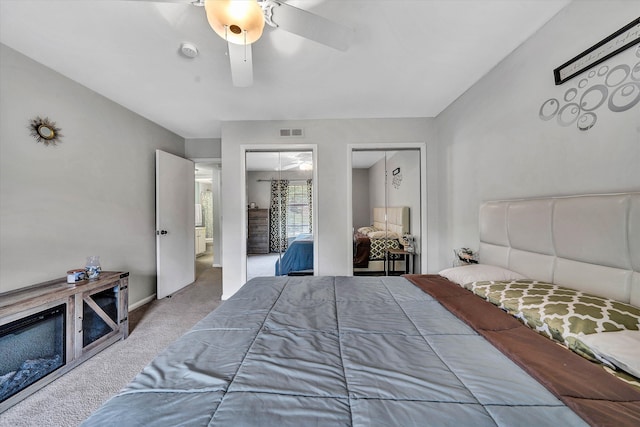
280, 182
298, 259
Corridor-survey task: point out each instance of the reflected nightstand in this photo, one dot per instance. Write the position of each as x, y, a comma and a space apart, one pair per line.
394, 255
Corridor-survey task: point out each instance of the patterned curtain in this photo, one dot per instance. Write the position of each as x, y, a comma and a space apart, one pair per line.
278, 216
310, 198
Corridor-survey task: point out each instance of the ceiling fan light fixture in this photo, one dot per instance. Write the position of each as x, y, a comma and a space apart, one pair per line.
237, 21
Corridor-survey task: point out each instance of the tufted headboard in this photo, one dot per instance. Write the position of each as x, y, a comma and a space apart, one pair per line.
397, 219
589, 243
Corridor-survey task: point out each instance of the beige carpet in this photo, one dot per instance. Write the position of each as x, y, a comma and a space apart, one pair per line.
71, 398
261, 265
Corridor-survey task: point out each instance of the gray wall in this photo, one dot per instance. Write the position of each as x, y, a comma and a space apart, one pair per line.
377, 189
202, 148
408, 191
92, 194
495, 146
360, 196
407, 194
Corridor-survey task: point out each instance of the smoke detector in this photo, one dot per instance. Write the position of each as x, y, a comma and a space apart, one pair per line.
189, 50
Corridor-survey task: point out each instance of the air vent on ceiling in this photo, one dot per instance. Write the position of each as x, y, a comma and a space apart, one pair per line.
288, 133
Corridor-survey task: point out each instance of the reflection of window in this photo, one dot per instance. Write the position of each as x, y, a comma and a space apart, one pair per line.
297, 209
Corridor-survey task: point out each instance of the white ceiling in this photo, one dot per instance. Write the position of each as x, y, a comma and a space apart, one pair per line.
366, 159
408, 58
277, 160
204, 171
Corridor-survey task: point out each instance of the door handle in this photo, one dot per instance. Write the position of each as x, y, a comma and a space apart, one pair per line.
161, 232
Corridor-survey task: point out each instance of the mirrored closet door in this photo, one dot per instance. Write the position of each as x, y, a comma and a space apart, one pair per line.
386, 206
279, 213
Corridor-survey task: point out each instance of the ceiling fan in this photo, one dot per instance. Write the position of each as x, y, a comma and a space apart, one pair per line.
240, 23
302, 161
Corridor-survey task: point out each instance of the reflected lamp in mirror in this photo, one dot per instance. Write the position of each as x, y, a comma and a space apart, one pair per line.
465, 256
408, 241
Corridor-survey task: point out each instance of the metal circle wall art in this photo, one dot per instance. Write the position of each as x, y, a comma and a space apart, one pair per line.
635, 73
587, 121
570, 94
593, 97
624, 97
612, 87
45, 130
617, 75
549, 109
603, 70
568, 114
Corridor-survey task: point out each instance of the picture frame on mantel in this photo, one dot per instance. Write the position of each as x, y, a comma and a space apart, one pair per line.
625, 37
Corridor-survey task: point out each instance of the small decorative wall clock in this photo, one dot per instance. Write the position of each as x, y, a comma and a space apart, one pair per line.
45, 130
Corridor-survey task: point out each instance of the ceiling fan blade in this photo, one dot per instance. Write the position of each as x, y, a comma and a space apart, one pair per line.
311, 26
241, 62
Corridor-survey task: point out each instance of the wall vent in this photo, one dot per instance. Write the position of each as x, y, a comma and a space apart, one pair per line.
289, 133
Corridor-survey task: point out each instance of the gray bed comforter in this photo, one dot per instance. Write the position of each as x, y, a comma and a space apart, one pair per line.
332, 351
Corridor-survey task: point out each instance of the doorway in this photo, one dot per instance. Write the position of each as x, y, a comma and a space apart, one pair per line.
387, 210
280, 212
203, 216
207, 216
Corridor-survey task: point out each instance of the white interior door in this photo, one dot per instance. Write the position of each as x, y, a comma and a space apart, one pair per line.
175, 223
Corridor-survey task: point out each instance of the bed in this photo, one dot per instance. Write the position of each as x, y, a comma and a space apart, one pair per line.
298, 258
370, 243
412, 351
331, 351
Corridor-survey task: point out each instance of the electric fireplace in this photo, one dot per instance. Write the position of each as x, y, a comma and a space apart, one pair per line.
30, 349
51, 327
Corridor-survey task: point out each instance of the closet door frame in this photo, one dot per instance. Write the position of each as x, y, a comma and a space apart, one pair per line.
244, 202
422, 147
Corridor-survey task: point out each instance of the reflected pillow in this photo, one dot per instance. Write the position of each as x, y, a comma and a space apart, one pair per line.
479, 273
381, 234
366, 230
620, 348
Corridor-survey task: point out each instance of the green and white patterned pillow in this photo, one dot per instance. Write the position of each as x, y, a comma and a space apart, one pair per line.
561, 314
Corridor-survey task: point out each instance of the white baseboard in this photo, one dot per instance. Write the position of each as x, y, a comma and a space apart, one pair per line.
142, 302
217, 265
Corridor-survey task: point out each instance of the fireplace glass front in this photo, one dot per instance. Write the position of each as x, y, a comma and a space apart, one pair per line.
30, 349
95, 318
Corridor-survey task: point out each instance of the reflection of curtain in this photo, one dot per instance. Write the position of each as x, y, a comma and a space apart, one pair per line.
310, 199
198, 215
206, 199
278, 215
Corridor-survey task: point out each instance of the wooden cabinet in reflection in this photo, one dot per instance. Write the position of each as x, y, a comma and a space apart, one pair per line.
258, 231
